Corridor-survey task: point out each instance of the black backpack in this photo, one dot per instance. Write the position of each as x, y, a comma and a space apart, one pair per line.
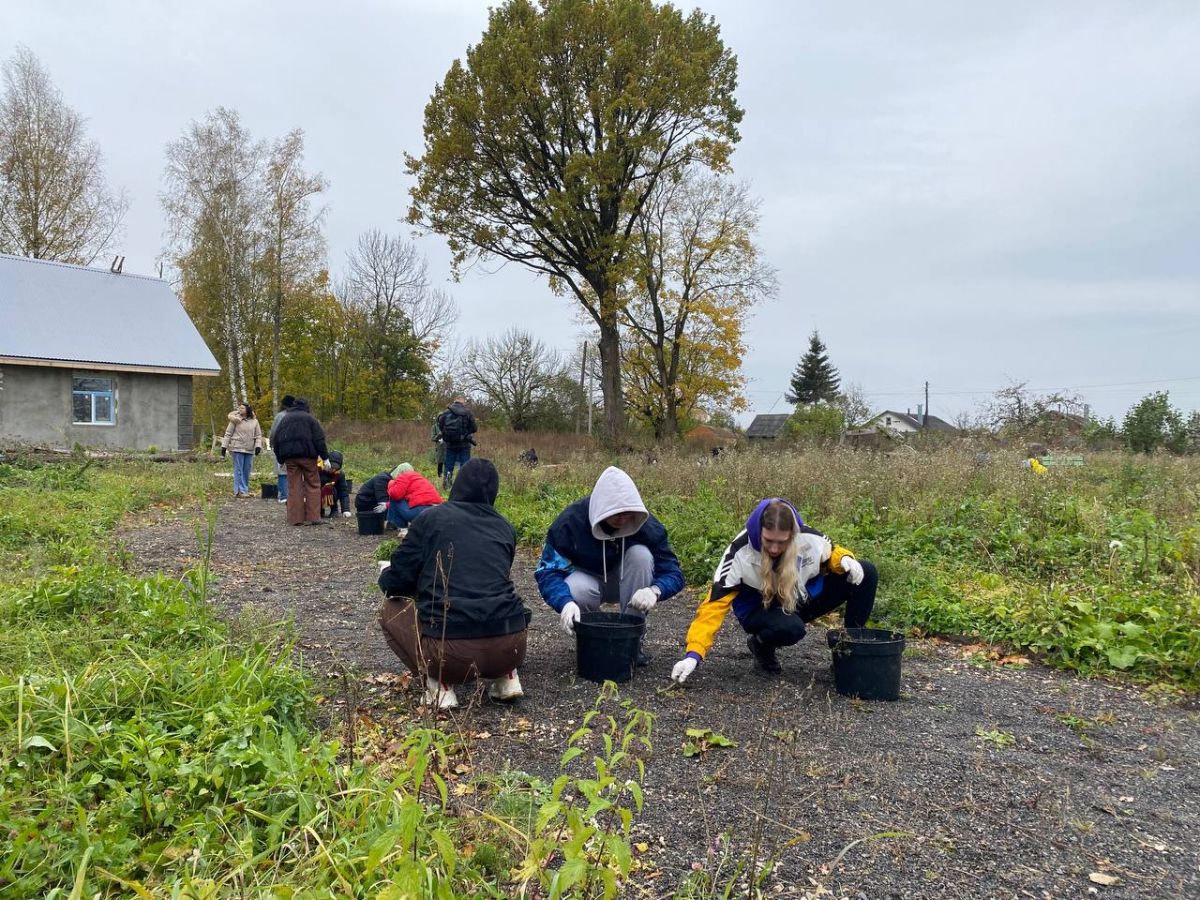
454, 428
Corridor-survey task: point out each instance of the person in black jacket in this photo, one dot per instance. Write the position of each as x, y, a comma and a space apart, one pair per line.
452, 613
456, 426
373, 495
299, 442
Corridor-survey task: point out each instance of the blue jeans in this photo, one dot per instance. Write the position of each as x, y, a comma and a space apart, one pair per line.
282, 479
400, 514
241, 471
455, 456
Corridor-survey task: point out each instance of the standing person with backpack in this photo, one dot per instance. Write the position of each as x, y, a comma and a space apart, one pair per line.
456, 426
285, 406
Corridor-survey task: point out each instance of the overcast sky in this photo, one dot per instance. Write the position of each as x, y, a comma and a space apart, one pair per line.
963, 193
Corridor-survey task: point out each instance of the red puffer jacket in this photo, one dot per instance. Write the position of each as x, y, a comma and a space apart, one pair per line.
415, 488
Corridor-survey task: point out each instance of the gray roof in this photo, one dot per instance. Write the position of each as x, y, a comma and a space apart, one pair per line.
768, 426
59, 313
931, 423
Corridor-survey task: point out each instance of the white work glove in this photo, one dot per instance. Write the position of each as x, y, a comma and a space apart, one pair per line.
384, 564
569, 616
380, 507
853, 569
644, 599
683, 669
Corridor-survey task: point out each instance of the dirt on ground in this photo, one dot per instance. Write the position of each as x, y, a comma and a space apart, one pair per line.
987, 778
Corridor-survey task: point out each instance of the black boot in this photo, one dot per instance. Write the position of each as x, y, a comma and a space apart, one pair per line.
765, 661
643, 658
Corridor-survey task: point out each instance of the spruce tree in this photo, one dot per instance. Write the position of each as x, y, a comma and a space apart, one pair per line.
815, 377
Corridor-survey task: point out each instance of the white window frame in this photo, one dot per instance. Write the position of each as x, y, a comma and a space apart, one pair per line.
111, 393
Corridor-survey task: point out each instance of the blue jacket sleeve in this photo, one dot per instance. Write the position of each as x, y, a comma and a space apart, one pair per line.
668, 576
551, 577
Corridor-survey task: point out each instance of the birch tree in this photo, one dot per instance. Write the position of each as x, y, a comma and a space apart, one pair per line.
214, 201
294, 242
54, 200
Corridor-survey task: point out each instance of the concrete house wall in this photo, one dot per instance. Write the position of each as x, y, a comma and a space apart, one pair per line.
150, 409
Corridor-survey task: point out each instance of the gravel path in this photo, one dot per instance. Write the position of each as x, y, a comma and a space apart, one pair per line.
981, 781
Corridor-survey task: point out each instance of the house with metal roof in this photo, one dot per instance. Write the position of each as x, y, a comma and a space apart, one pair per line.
767, 427
95, 357
906, 423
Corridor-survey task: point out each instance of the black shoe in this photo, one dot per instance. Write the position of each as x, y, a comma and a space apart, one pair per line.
765, 660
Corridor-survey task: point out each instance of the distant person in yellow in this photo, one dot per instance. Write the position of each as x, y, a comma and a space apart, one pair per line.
777, 575
1034, 462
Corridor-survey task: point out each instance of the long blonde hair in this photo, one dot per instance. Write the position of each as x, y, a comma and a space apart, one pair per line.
780, 576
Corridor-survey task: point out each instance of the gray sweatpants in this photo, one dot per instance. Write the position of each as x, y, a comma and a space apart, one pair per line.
638, 572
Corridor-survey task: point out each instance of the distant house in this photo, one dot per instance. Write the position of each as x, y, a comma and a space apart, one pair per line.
767, 427
906, 423
95, 357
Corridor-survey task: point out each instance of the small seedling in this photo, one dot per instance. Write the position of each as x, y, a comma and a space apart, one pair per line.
995, 736
703, 740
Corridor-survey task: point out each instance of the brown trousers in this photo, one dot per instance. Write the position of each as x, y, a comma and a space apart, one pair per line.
304, 491
451, 662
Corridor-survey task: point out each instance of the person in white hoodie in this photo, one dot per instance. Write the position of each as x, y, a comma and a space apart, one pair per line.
607, 548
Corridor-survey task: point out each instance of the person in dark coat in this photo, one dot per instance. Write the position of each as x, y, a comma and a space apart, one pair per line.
452, 613
299, 443
285, 406
373, 495
457, 427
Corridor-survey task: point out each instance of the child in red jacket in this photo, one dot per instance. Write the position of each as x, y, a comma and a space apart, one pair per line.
409, 494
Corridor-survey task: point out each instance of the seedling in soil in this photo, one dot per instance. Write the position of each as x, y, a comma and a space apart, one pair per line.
995, 736
1073, 722
703, 740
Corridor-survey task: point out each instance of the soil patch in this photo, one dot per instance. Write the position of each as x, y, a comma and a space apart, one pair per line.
981, 781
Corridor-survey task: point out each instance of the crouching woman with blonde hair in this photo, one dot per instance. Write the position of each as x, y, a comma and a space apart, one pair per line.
776, 575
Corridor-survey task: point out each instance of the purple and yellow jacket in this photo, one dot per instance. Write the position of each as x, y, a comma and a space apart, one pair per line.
737, 582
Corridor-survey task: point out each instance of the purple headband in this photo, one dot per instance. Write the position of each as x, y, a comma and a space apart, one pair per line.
754, 523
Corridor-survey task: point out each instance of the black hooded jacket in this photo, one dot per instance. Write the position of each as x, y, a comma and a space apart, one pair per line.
299, 435
373, 492
466, 543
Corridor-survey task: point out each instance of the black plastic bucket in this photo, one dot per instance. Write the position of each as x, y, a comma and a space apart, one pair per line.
866, 662
606, 645
371, 522
270, 491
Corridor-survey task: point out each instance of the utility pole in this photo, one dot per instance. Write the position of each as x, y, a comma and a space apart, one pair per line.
590, 388
582, 369
925, 418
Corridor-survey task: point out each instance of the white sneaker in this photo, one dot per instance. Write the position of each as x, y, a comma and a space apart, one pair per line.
346, 514
507, 687
283, 499
401, 533
440, 695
